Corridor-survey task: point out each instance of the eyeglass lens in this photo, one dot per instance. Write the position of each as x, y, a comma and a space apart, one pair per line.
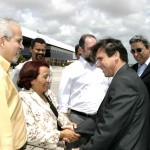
138, 50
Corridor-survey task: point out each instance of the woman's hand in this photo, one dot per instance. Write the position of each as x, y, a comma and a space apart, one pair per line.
68, 135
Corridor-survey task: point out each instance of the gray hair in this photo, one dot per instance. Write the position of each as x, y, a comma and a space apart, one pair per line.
140, 38
5, 27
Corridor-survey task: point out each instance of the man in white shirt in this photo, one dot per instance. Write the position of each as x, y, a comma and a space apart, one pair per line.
38, 50
140, 49
83, 85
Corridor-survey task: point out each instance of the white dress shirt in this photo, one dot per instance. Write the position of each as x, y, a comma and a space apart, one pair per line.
82, 87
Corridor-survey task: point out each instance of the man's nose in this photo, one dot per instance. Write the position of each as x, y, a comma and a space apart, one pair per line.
135, 54
21, 46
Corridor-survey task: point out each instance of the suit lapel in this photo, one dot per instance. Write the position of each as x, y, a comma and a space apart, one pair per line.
135, 67
146, 71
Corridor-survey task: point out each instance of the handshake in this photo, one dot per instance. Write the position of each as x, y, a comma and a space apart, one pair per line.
71, 132
68, 134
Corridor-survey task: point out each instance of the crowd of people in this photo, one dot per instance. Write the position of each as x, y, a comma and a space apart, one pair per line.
103, 103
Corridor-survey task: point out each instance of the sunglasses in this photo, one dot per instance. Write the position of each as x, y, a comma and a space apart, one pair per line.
138, 50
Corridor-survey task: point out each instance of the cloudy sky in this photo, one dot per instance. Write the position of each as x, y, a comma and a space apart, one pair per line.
67, 20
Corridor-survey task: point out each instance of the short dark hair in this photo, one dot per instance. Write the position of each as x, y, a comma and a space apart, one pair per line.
37, 40
82, 39
140, 38
29, 72
76, 48
111, 46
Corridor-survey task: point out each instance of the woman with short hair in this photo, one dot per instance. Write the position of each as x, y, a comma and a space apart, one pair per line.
40, 109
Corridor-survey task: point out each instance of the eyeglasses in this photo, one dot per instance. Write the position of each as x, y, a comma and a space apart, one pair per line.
138, 50
47, 77
19, 40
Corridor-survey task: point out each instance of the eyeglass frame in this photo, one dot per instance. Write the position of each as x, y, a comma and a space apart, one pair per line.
46, 77
19, 40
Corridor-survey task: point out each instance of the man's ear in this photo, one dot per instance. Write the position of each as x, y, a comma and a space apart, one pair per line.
80, 50
117, 56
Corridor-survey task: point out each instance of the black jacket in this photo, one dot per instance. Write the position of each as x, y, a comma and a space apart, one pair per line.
145, 76
122, 121
146, 79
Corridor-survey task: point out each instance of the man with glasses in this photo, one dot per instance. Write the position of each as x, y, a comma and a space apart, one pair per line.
140, 49
38, 50
12, 121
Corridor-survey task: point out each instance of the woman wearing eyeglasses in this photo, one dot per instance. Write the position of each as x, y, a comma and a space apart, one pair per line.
40, 110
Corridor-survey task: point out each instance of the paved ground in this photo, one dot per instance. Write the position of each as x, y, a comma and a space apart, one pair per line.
56, 79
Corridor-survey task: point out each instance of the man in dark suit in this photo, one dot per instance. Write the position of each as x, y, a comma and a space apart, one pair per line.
122, 121
140, 49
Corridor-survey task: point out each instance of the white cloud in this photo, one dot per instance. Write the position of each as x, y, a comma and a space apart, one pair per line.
67, 20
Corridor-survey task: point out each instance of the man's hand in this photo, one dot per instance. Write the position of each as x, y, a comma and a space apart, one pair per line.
70, 125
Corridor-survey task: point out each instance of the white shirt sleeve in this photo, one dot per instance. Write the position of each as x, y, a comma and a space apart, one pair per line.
64, 91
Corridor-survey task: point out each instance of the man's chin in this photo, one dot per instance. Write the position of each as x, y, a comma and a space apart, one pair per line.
15, 59
41, 59
90, 60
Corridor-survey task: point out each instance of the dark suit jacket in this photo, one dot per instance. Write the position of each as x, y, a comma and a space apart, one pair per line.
122, 121
146, 79
145, 76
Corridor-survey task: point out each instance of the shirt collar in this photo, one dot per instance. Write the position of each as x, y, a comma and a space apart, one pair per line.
147, 61
5, 64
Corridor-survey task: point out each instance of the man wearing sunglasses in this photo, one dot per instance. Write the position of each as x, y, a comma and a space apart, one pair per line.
140, 49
